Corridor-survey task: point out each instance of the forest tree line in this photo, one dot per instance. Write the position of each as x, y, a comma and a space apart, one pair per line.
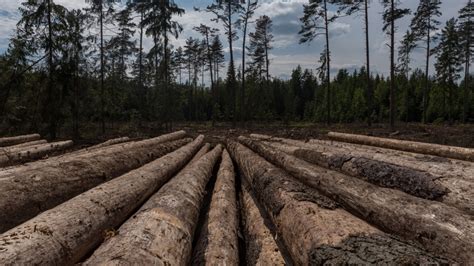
67, 68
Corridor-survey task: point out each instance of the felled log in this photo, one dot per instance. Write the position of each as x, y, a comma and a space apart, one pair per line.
110, 143
68, 232
261, 247
438, 227
411, 146
411, 181
313, 226
31, 189
26, 144
162, 231
30, 153
9, 141
449, 181
218, 241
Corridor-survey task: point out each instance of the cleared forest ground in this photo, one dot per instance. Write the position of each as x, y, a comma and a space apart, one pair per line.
294, 196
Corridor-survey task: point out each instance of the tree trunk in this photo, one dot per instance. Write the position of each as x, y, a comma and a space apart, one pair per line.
65, 234
367, 54
417, 183
9, 141
392, 68
109, 143
424, 177
314, 227
459, 153
26, 144
51, 94
328, 64
261, 247
439, 228
218, 242
39, 186
427, 73
161, 232
244, 49
20, 155
102, 69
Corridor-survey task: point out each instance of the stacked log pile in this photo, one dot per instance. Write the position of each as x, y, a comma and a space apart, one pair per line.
259, 200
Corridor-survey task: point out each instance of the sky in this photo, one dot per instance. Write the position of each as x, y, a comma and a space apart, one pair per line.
347, 39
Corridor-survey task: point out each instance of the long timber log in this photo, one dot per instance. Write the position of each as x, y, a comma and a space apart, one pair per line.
31, 189
261, 247
65, 234
218, 241
20, 155
26, 144
162, 231
9, 141
446, 180
314, 227
438, 227
404, 145
109, 142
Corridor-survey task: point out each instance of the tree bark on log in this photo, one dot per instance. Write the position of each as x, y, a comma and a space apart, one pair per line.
261, 247
218, 242
454, 175
65, 234
31, 153
411, 146
414, 182
26, 144
31, 189
9, 141
162, 231
109, 143
313, 226
438, 227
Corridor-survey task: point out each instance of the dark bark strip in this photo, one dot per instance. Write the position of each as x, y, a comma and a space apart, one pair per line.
439, 228
65, 234
31, 189
308, 221
162, 231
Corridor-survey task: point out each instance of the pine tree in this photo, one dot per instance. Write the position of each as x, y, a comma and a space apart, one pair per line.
352, 7
391, 14
123, 43
423, 24
224, 10
36, 16
218, 56
260, 45
407, 45
102, 10
316, 22
245, 17
466, 40
449, 61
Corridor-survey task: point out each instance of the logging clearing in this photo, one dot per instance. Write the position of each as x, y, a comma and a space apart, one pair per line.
262, 200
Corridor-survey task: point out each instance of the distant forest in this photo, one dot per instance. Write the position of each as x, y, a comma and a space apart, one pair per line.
61, 71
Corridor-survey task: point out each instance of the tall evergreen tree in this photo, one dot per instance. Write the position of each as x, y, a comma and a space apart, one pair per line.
316, 22
423, 24
449, 61
218, 56
352, 7
246, 16
42, 21
466, 40
392, 13
260, 45
407, 45
102, 11
224, 11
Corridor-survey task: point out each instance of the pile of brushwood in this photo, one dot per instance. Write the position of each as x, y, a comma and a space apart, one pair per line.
255, 200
